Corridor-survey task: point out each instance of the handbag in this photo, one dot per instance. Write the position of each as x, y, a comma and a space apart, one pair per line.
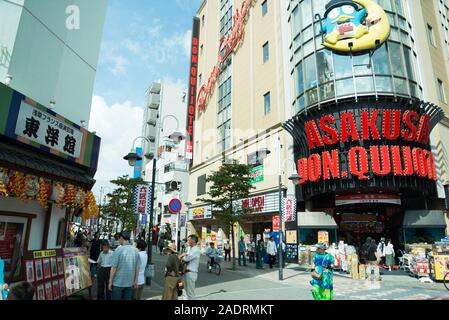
316, 276
180, 286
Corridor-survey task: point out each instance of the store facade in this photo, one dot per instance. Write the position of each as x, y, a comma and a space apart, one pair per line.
362, 128
47, 164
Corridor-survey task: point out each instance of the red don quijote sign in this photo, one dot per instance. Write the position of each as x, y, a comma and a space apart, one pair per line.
397, 143
192, 87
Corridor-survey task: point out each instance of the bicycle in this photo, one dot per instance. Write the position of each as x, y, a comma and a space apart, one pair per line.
446, 277
216, 267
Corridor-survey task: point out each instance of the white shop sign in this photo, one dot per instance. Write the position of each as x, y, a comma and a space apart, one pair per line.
41, 127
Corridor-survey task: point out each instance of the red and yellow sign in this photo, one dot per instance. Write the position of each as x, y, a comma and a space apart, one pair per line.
323, 236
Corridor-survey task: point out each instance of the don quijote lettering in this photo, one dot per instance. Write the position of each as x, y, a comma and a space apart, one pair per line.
398, 145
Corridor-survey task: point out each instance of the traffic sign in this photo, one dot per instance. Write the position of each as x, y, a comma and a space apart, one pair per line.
175, 206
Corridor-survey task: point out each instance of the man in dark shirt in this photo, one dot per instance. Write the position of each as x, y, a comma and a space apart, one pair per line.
95, 248
373, 261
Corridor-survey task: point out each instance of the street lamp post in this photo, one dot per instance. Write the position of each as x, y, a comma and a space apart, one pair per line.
132, 159
295, 179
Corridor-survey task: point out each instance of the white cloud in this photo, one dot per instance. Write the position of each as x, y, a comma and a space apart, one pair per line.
117, 125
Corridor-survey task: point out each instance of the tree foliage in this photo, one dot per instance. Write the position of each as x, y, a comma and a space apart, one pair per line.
121, 200
230, 183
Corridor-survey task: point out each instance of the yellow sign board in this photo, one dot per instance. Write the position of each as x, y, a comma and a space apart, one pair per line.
352, 26
44, 254
323, 236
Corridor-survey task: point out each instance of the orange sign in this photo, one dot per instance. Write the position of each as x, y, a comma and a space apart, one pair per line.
323, 236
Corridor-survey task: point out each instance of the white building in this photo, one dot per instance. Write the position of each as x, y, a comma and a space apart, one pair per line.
165, 113
50, 51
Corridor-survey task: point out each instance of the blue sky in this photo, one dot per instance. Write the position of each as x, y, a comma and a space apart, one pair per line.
143, 41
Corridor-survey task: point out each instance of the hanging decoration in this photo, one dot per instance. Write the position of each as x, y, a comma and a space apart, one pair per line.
42, 196
69, 196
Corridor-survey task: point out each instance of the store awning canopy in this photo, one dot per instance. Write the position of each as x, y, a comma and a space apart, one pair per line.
424, 219
316, 219
41, 165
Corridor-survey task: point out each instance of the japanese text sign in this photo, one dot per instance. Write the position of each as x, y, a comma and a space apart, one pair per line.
142, 196
47, 130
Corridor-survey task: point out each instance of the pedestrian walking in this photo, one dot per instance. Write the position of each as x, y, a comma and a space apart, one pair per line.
94, 253
104, 264
372, 260
172, 273
381, 250
242, 252
161, 244
271, 251
193, 260
227, 250
125, 269
389, 255
141, 245
252, 251
323, 274
260, 254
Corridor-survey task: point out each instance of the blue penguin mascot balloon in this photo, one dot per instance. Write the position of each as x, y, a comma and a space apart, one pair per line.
3, 291
344, 20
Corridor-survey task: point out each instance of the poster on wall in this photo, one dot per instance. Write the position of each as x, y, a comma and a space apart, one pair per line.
39, 272
54, 267
29, 267
291, 236
40, 292
8, 232
77, 270
47, 268
48, 291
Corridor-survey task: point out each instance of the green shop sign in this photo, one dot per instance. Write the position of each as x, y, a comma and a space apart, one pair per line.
257, 174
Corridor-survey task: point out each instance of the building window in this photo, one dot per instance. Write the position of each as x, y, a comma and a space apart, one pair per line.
264, 7
226, 22
267, 102
61, 232
201, 186
266, 52
224, 115
430, 35
441, 94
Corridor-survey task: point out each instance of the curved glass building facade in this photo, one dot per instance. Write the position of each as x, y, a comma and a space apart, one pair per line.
322, 75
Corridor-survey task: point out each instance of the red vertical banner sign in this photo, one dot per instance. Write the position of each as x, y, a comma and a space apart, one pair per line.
193, 76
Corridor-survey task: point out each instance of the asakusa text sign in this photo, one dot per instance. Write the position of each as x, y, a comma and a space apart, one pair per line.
381, 126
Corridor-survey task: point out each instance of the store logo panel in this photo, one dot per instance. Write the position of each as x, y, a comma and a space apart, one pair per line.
353, 26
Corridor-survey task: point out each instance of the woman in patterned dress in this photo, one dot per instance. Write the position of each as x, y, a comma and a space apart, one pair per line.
323, 288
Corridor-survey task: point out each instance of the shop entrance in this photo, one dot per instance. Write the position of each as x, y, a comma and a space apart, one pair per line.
355, 224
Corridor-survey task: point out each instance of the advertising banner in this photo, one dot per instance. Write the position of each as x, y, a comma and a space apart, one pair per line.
323, 236
138, 167
275, 223
142, 200
289, 209
257, 174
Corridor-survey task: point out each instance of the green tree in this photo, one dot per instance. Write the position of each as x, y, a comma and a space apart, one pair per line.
121, 201
230, 183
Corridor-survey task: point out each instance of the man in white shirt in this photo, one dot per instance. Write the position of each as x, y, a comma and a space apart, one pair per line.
193, 260
271, 251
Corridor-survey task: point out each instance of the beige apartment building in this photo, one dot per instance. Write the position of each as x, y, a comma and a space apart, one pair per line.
243, 113
280, 75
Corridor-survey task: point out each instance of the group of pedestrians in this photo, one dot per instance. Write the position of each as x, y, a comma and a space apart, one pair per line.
120, 273
257, 252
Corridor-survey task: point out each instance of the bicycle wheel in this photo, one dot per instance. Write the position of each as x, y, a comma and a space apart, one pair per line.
217, 269
446, 281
